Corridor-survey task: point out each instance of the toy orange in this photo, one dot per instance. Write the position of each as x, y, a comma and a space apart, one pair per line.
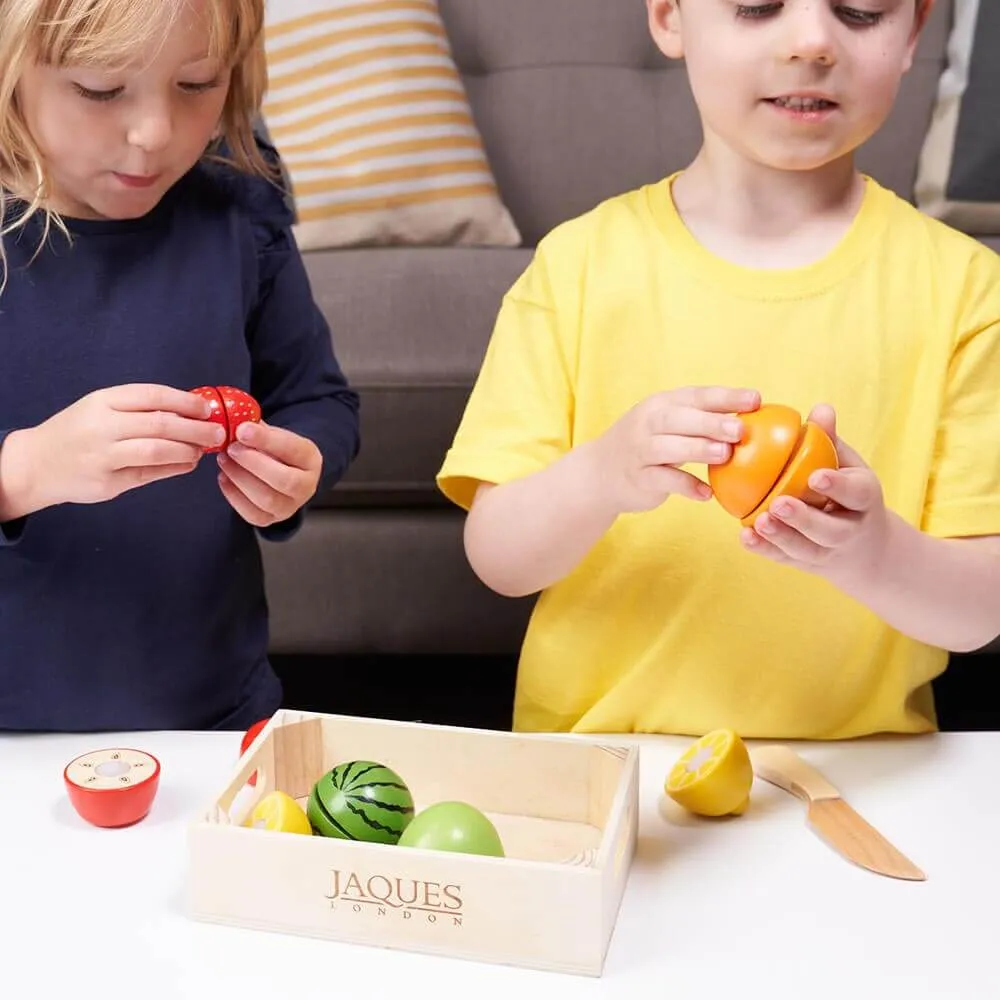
776, 456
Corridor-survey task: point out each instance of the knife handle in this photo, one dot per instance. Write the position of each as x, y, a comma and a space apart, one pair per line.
781, 766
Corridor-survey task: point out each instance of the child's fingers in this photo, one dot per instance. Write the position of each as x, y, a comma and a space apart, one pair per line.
243, 506
759, 546
855, 489
259, 493
716, 398
286, 446
285, 480
790, 542
672, 449
170, 427
151, 396
827, 530
665, 480
848, 457
141, 453
143, 475
825, 415
690, 422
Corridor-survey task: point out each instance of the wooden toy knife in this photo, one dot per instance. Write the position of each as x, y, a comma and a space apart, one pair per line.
830, 816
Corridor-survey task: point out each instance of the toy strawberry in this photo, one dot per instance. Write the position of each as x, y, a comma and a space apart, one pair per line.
230, 408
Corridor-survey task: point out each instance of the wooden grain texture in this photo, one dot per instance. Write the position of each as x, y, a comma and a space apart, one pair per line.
854, 837
566, 810
830, 816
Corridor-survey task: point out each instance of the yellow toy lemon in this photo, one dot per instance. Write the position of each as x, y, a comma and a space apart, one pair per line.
713, 777
279, 811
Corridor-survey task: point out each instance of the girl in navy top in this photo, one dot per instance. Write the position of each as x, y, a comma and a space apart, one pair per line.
147, 250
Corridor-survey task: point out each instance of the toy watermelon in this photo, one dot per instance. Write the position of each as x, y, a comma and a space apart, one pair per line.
360, 800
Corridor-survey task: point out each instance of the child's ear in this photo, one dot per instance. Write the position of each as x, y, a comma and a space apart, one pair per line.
665, 26
919, 23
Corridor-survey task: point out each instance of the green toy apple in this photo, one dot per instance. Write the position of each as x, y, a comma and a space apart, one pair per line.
453, 826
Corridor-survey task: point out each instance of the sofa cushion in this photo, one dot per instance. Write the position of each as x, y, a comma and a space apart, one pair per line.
369, 111
385, 581
410, 327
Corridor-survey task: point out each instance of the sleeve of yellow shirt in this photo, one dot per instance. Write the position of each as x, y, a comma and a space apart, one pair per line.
518, 419
963, 496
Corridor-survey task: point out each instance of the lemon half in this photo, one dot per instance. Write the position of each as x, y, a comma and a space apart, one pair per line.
279, 811
713, 776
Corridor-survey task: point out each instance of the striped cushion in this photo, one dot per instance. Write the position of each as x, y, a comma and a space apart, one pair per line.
368, 111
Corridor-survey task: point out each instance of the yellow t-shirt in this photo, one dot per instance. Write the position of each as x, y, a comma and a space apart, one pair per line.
668, 625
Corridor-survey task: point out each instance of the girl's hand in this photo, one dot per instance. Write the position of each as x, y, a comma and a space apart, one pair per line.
107, 442
268, 473
845, 540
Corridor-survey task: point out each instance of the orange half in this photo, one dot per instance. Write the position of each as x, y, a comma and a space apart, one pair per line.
815, 451
770, 435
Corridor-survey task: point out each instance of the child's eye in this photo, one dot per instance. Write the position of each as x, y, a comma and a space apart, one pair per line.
98, 95
850, 15
752, 11
860, 18
199, 88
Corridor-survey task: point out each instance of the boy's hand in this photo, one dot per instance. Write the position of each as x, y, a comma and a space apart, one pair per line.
638, 457
842, 542
268, 473
107, 442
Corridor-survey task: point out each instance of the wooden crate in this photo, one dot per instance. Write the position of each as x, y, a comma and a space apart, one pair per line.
566, 809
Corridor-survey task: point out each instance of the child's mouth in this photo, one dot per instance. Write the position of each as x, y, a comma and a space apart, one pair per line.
802, 104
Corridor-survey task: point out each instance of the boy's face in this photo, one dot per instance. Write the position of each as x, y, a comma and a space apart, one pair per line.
114, 141
792, 85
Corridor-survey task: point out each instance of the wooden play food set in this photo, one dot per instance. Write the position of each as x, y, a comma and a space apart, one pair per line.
453, 826
112, 787
279, 811
248, 737
836, 822
230, 407
565, 808
776, 456
360, 800
713, 777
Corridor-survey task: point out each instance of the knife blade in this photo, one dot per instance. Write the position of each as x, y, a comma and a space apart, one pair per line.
830, 816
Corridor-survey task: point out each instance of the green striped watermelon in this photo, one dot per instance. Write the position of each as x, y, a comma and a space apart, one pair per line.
360, 800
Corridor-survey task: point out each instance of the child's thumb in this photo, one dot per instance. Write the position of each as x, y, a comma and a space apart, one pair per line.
825, 416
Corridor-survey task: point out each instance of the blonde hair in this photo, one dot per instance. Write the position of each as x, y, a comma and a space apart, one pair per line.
107, 33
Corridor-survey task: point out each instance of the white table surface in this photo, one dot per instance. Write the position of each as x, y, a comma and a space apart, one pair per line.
745, 908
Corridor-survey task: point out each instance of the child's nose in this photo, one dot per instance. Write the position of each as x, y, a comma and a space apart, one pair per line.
151, 129
809, 33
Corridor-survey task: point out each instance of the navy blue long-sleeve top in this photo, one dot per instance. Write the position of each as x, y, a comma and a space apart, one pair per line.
148, 611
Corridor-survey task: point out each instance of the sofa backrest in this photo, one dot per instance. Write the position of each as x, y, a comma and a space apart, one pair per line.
575, 103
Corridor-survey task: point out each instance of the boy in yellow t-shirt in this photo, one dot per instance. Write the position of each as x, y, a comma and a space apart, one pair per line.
767, 270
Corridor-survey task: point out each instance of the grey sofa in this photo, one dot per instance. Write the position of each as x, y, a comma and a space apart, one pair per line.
575, 104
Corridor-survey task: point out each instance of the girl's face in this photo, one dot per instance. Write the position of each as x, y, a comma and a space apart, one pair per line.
115, 140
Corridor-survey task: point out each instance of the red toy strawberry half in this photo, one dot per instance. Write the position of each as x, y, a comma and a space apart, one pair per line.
230, 408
